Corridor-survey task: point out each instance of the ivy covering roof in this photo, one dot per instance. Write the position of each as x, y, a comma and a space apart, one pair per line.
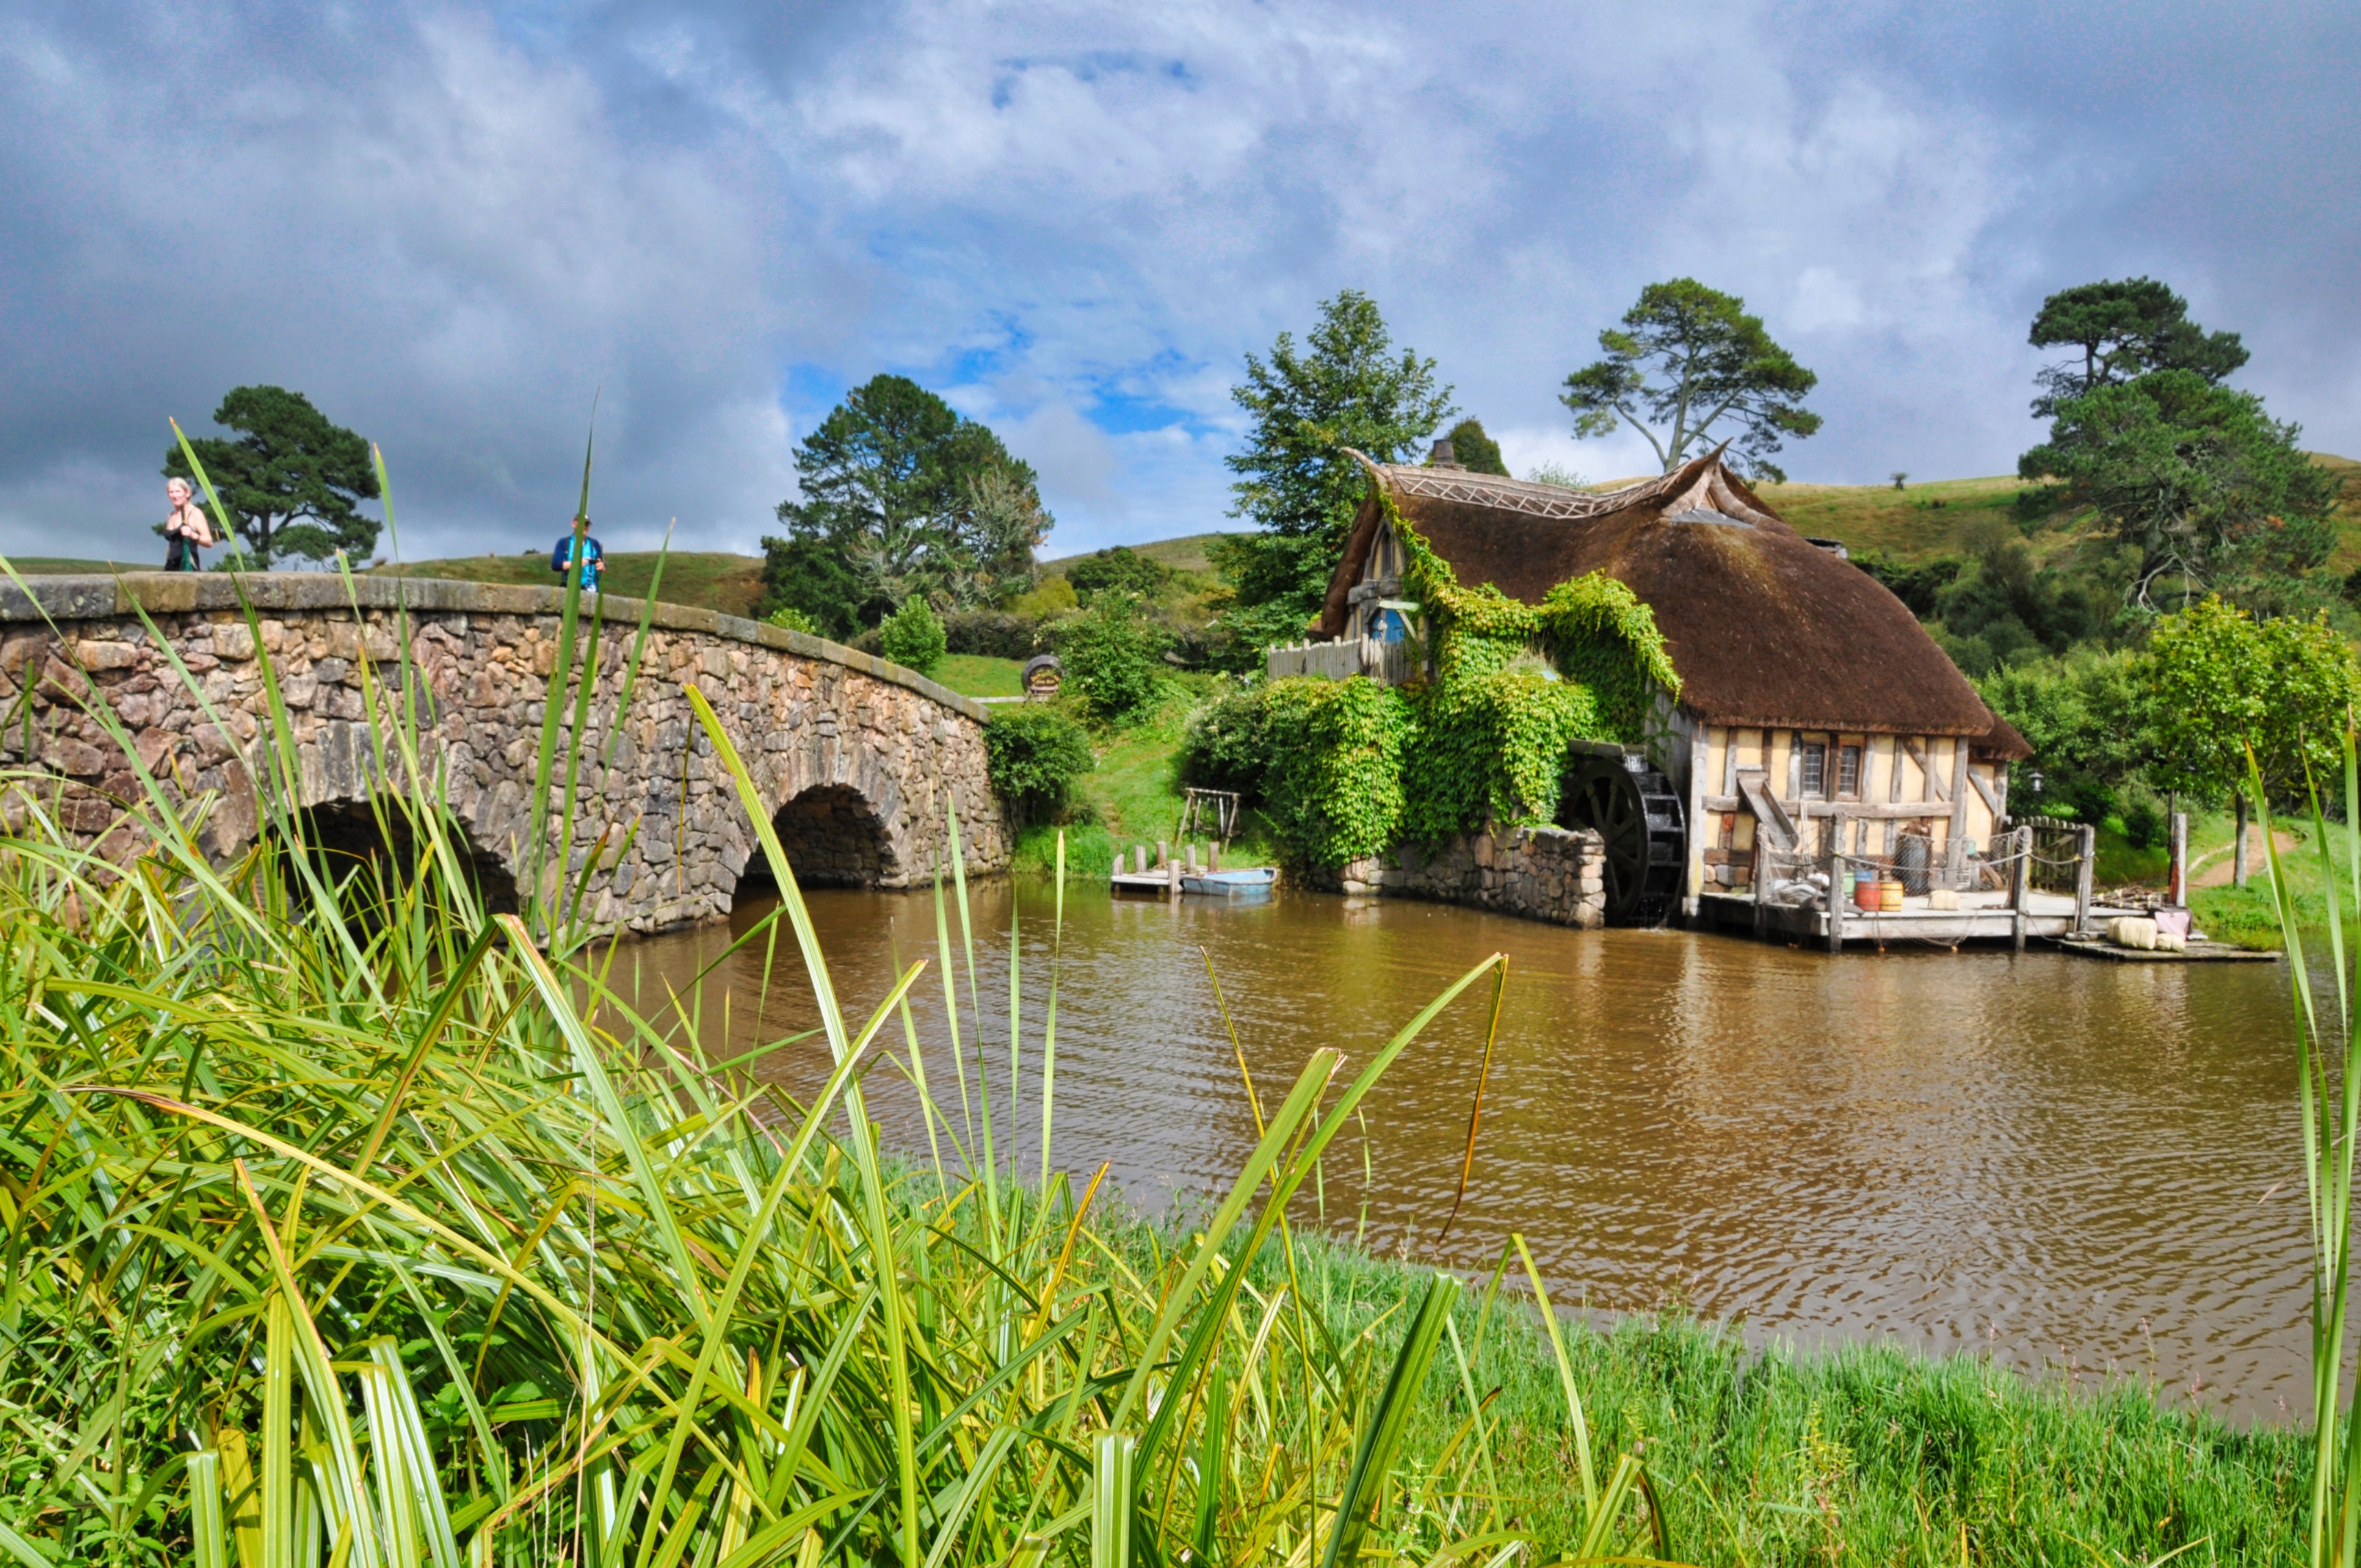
1764, 627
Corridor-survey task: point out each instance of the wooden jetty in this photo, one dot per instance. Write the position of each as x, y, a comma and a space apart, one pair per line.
1172, 875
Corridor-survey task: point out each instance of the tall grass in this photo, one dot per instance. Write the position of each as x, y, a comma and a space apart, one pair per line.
2328, 1079
348, 1222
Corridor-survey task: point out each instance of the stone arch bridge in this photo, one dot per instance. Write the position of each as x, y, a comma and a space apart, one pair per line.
856, 758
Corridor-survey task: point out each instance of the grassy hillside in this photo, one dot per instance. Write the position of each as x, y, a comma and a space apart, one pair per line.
1941, 516
709, 579
1933, 519
1186, 554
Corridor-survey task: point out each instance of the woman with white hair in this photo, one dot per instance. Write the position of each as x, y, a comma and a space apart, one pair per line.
185, 531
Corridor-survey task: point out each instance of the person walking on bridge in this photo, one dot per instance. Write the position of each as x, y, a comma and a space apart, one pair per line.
185, 531
594, 559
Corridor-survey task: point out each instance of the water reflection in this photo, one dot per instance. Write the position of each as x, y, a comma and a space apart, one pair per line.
2061, 1160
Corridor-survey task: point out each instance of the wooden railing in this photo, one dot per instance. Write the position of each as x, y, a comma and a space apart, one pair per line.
1387, 661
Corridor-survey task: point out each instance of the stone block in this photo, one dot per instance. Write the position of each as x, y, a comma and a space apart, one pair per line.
105, 656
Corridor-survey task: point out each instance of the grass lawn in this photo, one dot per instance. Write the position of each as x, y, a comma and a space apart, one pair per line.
1133, 795
705, 579
978, 674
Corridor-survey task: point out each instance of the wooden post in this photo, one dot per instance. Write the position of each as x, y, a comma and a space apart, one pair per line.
1213, 855
1832, 865
1163, 855
1173, 879
2177, 885
1761, 879
2086, 865
2020, 866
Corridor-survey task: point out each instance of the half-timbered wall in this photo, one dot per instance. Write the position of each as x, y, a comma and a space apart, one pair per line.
1854, 791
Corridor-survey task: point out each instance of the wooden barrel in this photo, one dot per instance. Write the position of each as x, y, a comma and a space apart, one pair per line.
1890, 894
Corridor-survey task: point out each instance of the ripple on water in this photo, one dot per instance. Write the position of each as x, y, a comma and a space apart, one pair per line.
2059, 1161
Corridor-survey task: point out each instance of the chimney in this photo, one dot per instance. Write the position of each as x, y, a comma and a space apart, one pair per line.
1445, 456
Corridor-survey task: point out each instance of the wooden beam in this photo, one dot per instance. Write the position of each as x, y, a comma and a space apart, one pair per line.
1990, 799
1958, 787
1876, 811
1931, 786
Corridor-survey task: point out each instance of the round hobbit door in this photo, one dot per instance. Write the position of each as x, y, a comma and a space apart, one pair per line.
1630, 803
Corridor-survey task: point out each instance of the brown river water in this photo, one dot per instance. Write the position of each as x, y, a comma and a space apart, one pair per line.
2079, 1166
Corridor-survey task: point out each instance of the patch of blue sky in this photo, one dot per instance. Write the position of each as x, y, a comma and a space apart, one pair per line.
807, 392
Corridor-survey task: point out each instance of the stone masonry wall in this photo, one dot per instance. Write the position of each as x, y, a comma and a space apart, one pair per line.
876, 751
1539, 873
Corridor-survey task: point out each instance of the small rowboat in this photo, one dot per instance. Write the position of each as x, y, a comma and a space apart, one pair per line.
1255, 882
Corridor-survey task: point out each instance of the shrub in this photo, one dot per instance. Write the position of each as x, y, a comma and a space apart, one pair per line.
1335, 794
1228, 744
1050, 595
1111, 657
912, 637
2143, 824
991, 633
1034, 752
788, 618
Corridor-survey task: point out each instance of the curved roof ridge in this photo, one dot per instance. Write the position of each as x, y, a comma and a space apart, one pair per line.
1527, 496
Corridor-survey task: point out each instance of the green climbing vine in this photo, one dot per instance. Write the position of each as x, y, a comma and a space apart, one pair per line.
1352, 768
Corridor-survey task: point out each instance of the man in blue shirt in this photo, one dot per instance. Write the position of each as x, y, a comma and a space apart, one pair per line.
594, 560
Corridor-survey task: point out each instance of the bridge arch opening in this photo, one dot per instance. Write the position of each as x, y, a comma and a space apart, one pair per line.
833, 836
366, 850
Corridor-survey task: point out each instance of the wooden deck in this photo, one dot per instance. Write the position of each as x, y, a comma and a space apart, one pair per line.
1982, 917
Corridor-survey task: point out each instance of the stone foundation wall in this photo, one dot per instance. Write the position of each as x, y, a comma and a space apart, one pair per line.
1537, 873
857, 758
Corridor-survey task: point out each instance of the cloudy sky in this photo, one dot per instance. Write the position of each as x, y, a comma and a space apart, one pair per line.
450, 225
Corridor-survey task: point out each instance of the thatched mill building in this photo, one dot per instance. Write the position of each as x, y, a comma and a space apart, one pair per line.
1815, 712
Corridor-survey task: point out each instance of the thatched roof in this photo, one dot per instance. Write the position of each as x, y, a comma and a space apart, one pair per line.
1764, 627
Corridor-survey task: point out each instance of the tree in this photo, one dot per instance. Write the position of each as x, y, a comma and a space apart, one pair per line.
902, 496
1477, 451
2206, 486
1297, 482
291, 480
2226, 685
2123, 330
2088, 719
1121, 569
1709, 361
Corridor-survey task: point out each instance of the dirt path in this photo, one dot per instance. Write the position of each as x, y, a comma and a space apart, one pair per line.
2216, 872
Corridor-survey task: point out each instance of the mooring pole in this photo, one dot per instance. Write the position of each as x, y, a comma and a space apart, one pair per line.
1834, 864
2021, 866
2178, 885
2086, 862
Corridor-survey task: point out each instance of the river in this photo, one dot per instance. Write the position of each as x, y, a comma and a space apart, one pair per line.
2087, 1167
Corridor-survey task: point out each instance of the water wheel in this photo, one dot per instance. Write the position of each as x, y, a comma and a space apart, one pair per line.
1630, 803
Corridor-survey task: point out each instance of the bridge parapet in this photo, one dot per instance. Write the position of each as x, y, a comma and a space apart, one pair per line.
858, 757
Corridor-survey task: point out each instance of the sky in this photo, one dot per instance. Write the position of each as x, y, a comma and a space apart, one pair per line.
453, 226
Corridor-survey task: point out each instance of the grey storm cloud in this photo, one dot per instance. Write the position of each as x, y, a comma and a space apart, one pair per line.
450, 225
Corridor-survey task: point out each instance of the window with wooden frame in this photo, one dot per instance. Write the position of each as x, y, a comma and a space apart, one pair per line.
1849, 772
1816, 768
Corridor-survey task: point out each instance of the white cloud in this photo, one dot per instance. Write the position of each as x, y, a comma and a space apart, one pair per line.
450, 225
